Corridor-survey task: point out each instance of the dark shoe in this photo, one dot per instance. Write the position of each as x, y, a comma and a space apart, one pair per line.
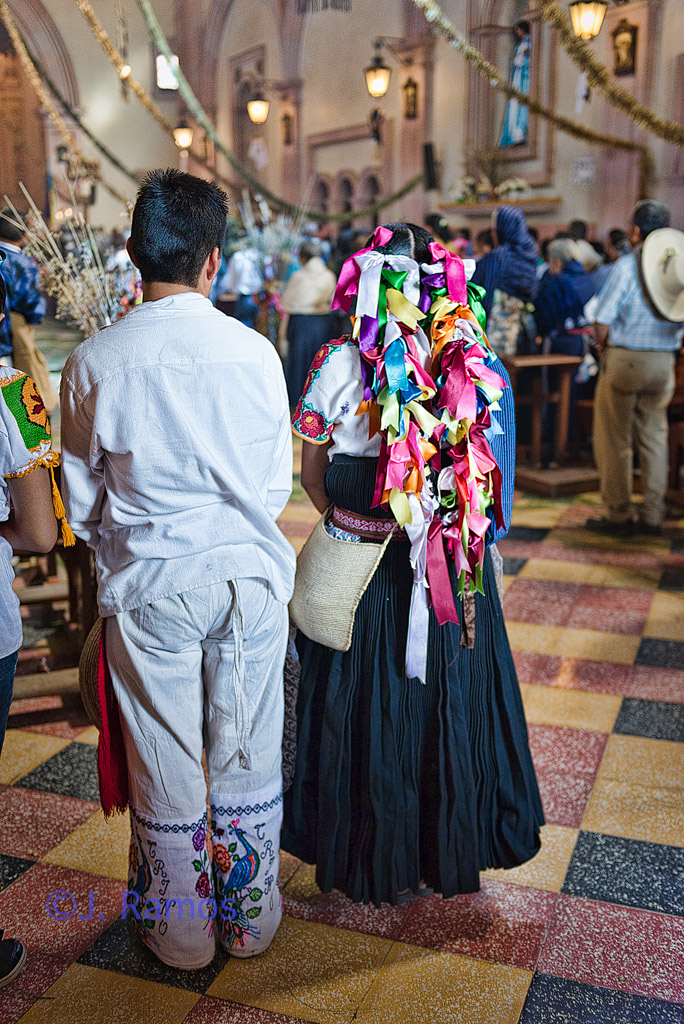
609, 528
650, 529
12, 960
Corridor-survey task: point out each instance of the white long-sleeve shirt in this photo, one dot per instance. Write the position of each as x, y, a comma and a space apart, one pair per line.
177, 453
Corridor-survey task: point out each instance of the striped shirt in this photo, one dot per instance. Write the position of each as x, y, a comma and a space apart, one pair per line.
623, 307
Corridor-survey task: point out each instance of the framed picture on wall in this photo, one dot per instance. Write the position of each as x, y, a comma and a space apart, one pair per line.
624, 48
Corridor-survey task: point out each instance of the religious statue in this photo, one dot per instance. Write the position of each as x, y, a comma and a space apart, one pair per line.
514, 131
624, 48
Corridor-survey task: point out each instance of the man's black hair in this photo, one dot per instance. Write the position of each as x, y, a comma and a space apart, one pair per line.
617, 236
8, 231
650, 215
178, 220
485, 237
439, 227
577, 229
407, 240
523, 25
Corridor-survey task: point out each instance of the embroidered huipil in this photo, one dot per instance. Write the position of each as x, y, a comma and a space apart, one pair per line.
24, 445
177, 453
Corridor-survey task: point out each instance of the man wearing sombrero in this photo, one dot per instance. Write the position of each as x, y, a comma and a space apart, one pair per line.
638, 332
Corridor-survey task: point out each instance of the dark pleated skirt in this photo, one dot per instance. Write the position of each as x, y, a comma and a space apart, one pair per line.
306, 333
397, 782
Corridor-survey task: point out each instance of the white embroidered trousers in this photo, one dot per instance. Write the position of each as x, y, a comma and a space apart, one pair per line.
203, 670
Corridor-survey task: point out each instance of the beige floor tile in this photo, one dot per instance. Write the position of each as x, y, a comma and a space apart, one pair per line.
98, 846
548, 869
583, 572
87, 995
299, 512
24, 751
544, 518
423, 986
546, 705
90, 735
666, 616
572, 643
311, 971
636, 812
507, 580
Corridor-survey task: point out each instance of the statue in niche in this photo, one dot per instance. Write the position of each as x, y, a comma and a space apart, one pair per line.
624, 48
514, 131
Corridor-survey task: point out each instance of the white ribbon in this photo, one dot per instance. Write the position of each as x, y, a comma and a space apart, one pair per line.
370, 264
417, 532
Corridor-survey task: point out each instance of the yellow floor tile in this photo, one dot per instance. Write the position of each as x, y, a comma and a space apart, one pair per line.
507, 580
541, 518
98, 846
300, 512
666, 616
311, 972
642, 762
548, 869
89, 735
580, 538
423, 986
583, 572
573, 643
639, 791
636, 812
24, 751
546, 705
87, 995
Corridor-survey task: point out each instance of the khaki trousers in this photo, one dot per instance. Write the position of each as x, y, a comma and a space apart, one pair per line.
28, 358
633, 391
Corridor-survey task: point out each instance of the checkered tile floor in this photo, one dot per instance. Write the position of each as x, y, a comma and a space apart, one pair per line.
591, 930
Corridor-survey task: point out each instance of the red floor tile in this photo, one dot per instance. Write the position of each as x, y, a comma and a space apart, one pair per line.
655, 683
33, 822
39, 974
538, 669
564, 796
593, 676
542, 601
502, 923
558, 748
519, 548
617, 947
51, 716
23, 910
611, 609
215, 1011
302, 899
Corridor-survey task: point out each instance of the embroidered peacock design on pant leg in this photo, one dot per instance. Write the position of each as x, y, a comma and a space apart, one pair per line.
236, 891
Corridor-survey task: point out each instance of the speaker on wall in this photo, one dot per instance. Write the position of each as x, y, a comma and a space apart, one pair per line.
429, 167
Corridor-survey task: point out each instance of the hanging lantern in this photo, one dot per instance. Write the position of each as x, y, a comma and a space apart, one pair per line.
182, 135
587, 17
258, 107
377, 74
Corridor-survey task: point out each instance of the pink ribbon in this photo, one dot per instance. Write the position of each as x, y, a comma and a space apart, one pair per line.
348, 281
441, 593
455, 272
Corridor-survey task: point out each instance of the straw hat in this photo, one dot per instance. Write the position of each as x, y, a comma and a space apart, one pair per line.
662, 263
87, 673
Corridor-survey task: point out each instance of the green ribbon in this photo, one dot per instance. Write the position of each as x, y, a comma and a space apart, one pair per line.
476, 294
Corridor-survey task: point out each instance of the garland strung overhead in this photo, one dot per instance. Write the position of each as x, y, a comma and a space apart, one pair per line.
199, 114
89, 167
497, 80
599, 76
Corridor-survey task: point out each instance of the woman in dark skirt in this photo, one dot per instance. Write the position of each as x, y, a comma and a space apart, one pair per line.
402, 784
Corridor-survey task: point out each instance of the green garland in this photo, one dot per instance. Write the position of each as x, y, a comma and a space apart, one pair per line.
197, 111
599, 77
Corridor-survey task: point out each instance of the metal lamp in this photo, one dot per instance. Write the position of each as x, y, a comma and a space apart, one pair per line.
182, 135
587, 17
258, 107
377, 74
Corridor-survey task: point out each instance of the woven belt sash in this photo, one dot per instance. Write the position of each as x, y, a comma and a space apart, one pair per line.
352, 522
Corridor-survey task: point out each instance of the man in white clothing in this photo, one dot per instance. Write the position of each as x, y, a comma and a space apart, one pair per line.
177, 460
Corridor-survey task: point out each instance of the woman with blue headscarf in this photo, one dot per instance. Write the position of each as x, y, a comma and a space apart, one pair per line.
509, 276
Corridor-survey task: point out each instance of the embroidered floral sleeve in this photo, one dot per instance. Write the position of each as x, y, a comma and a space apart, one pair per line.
319, 408
27, 424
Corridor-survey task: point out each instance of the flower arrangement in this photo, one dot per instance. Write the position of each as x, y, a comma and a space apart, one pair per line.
87, 296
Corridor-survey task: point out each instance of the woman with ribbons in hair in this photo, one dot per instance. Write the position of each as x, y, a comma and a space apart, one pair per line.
413, 770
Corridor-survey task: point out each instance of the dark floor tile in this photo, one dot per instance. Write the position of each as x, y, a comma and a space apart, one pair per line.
11, 868
527, 533
672, 580
627, 871
559, 1001
660, 654
119, 949
677, 546
512, 566
71, 772
653, 719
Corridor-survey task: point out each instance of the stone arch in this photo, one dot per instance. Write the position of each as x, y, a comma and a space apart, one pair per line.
321, 193
368, 192
47, 44
344, 191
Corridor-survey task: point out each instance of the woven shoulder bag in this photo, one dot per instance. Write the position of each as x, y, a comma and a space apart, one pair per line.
332, 576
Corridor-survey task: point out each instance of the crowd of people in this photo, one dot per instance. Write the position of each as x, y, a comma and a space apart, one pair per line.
412, 771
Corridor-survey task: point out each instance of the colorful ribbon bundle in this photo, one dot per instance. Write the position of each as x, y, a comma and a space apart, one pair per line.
431, 392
